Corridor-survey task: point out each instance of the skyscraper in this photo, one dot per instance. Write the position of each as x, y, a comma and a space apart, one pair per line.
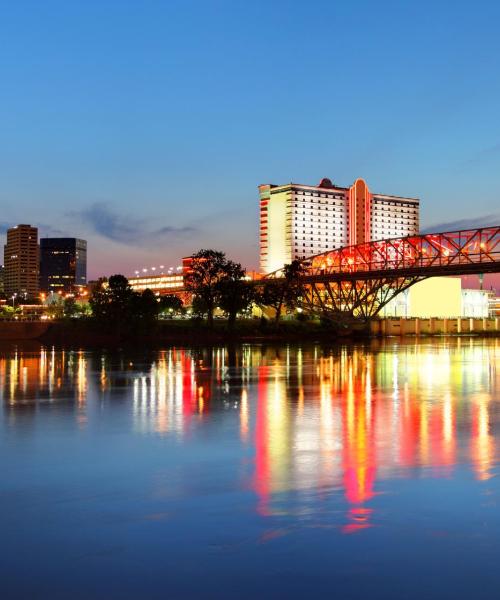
63, 264
21, 261
299, 221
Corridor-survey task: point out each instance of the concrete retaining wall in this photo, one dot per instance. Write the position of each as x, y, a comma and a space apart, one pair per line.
402, 326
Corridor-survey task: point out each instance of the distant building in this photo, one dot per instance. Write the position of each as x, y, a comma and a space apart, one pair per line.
298, 221
440, 297
166, 282
494, 305
21, 262
159, 283
63, 264
2, 270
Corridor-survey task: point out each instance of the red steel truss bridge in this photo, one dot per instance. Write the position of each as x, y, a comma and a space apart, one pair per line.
357, 281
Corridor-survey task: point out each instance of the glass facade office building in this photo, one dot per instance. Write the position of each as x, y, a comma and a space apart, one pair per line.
63, 264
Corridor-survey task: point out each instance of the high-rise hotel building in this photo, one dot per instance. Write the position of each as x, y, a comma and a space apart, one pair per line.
299, 221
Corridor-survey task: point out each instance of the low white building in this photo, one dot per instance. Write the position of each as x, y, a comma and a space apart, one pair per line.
439, 297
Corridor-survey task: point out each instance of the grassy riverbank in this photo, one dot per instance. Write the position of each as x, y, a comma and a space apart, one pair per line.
88, 333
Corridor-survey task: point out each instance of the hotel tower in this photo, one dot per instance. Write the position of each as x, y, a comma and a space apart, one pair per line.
299, 221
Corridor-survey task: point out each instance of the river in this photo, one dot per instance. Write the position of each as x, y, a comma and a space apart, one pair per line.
343, 471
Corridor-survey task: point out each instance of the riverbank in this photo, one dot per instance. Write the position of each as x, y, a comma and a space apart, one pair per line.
185, 332
86, 333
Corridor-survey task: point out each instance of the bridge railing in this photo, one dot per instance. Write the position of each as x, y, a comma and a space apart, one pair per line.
422, 251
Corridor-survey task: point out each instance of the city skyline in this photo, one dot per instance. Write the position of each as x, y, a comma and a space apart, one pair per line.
152, 145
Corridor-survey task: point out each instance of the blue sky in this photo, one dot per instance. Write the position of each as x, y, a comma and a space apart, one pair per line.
145, 127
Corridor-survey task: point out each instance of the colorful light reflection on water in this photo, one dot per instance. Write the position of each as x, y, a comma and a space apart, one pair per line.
279, 453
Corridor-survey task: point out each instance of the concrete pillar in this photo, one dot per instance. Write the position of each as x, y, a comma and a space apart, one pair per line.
431, 326
459, 325
401, 326
445, 326
471, 325
417, 326
485, 325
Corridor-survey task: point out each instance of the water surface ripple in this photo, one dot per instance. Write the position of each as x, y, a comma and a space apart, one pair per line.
251, 472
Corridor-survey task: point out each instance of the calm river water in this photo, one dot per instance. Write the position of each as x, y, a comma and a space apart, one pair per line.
255, 472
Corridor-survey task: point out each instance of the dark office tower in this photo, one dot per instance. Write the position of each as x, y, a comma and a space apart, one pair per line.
21, 262
63, 264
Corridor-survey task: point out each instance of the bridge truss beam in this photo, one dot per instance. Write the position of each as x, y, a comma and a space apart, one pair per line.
358, 281
355, 298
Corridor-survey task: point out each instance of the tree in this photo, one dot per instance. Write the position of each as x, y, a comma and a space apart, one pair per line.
235, 295
7, 311
171, 304
273, 296
70, 309
198, 308
293, 273
209, 268
116, 306
112, 303
284, 291
55, 306
144, 308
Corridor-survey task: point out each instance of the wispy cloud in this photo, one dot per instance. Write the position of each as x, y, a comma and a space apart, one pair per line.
124, 229
484, 155
472, 223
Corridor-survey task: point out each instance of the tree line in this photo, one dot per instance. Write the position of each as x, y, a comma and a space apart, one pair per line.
213, 281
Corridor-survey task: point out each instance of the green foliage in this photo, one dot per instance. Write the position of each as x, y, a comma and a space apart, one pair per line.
272, 295
84, 309
284, 291
171, 305
214, 281
7, 311
145, 308
199, 308
234, 294
117, 307
70, 308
